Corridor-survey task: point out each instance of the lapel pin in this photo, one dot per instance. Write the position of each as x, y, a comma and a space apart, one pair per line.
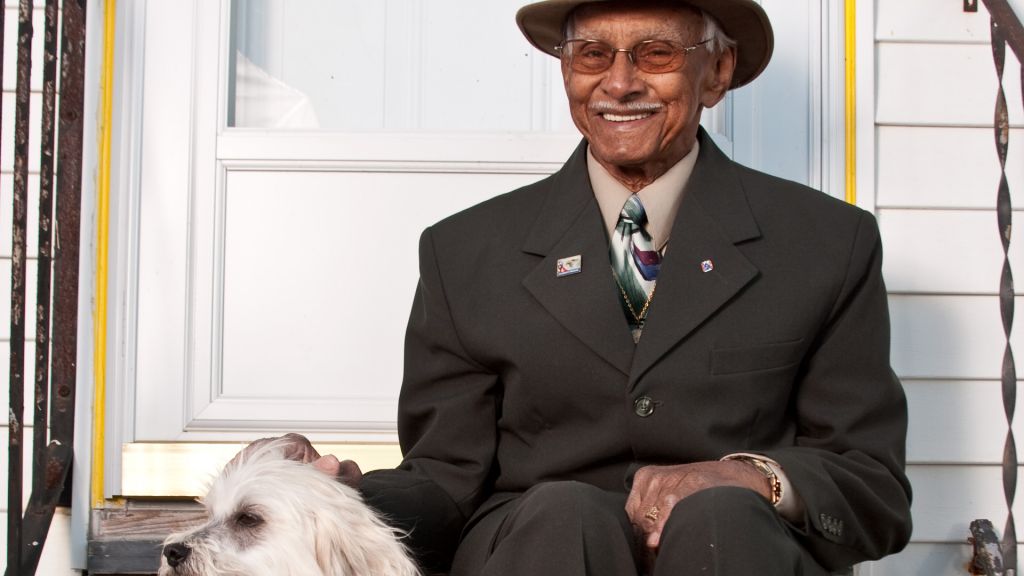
707, 266
569, 266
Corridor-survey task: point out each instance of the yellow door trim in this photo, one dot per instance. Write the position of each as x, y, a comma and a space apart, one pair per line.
851, 101
99, 319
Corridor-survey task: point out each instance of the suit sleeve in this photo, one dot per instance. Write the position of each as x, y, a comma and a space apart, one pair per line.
848, 461
446, 425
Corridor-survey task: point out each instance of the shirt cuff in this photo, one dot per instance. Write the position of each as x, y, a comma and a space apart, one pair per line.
790, 506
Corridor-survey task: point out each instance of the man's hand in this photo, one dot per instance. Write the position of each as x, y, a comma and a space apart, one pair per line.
346, 471
657, 489
298, 447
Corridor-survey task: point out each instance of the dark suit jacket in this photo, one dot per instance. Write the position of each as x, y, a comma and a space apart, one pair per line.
514, 376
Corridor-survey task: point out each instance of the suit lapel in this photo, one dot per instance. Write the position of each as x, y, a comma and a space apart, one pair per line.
587, 304
713, 217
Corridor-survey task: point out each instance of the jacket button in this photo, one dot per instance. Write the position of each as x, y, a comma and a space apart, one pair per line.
643, 406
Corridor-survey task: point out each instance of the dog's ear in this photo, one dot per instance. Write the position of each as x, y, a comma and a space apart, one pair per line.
329, 542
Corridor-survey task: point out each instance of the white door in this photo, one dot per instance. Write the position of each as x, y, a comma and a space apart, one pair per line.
266, 145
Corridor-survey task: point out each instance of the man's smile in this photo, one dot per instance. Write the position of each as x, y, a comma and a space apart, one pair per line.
625, 118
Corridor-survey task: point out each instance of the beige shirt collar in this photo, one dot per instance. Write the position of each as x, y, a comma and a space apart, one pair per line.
660, 198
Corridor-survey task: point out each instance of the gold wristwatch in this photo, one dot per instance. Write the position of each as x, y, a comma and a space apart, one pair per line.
775, 486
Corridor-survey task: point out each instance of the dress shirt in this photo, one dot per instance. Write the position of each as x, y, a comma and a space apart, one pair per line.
660, 198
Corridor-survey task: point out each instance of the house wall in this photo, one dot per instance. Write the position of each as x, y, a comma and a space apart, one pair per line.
936, 177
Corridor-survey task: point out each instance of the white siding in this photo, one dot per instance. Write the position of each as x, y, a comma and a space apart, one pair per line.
936, 179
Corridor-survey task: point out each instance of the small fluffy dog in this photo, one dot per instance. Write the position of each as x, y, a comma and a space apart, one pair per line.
277, 517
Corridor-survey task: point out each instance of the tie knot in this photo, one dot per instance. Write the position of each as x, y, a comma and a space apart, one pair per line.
633, 211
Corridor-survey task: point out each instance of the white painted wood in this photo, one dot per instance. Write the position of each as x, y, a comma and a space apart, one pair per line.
958, 337
85, 401
57, 551
163, 215
10, 55
123, 239
864, 105
923, 559
926, 167
945, 251
1018, 8
944, 85
828, 117
948, 498
930, 21
396, 152
35, 105
206, 197
293, 320
958, 422
788, 84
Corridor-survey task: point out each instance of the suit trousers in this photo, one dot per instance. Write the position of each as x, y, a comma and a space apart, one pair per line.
575, 529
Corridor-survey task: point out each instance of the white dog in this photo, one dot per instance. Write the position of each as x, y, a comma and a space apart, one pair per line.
277, 517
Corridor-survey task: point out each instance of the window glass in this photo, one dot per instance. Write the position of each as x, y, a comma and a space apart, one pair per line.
403, 65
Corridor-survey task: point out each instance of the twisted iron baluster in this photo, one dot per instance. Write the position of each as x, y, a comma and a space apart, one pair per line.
1006, 295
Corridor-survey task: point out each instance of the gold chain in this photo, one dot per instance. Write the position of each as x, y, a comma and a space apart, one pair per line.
643, 311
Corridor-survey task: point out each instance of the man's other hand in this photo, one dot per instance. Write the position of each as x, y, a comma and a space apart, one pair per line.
657, 489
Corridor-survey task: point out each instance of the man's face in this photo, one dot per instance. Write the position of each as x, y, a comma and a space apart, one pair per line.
636, 121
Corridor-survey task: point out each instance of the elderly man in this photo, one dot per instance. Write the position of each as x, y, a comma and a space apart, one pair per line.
655, 360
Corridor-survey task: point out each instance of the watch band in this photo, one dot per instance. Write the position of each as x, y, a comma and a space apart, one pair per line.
774, 485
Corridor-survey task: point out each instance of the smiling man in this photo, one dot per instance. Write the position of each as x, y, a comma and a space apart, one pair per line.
655, 361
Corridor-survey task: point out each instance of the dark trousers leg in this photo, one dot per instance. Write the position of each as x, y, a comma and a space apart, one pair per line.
554, 529
730, 532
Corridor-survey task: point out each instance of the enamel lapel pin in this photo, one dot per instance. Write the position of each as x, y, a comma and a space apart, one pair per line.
569, 266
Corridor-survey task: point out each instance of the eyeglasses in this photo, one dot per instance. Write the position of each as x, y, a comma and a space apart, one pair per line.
651, 56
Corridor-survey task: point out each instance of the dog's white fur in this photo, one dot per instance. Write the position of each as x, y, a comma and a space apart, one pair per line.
276, 517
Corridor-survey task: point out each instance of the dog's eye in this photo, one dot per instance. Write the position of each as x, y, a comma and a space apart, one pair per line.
248, 520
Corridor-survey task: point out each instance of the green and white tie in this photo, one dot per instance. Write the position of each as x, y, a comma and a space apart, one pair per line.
635, 263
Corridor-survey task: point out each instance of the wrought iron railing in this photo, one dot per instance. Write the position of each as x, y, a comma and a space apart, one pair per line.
994, 557
56, 309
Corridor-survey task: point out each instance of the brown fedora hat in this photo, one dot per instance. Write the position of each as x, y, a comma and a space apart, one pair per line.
743, 20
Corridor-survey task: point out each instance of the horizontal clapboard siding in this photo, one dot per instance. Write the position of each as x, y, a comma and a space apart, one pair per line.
944, 251
935, 190
944, 167
967, 426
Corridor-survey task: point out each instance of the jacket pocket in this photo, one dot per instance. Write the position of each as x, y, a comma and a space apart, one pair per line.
771, 356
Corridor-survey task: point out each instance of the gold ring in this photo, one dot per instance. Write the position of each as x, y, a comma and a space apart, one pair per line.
652, 513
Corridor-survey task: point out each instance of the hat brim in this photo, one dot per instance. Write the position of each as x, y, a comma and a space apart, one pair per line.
742, 20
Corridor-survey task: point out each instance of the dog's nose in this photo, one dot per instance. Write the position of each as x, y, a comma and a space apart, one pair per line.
176, 553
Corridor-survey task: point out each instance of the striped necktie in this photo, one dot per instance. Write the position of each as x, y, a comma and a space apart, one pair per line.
635, 263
